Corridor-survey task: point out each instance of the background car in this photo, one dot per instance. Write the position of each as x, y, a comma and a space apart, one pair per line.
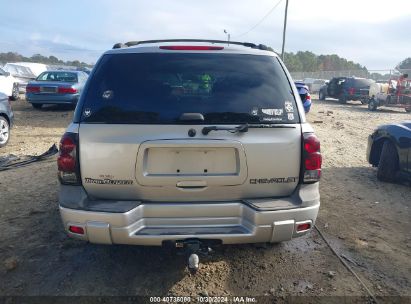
24, 72
389, 149
6, 119
317, 84
56, 87
346, 88
309, 82
9, 85
305, 95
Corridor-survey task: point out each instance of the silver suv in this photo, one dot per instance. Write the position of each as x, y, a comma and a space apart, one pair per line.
179, 140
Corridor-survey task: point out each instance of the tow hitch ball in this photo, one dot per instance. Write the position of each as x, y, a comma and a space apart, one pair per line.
192, 249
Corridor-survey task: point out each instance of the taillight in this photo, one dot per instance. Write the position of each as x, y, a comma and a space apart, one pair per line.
312, 158
351, 91
308, 97
32, 89
67, 161
76, 229
65, 90
303, 227
191, 48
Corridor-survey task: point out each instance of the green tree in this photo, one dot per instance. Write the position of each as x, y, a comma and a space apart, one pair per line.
405, 64
292, 62
15, 57
308, 60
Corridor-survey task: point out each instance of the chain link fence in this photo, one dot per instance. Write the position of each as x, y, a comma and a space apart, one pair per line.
327, 75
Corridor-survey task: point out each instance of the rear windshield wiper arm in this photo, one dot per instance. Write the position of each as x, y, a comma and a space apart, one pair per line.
243, 128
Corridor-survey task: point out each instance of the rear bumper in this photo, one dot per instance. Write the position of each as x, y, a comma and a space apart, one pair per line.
356, 97
234, 222
52, 98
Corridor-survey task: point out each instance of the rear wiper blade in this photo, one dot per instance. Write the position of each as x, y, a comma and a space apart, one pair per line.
240, 128
244, 127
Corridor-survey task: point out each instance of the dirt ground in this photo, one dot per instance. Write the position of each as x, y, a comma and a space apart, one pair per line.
366, 221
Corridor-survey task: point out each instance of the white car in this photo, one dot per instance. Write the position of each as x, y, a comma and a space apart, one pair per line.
24, 72
9, 85
317, 84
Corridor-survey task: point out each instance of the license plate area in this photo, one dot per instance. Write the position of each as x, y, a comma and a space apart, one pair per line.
175, 162
191, 161
48, 89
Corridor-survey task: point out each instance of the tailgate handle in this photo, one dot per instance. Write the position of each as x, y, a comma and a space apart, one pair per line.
192, 184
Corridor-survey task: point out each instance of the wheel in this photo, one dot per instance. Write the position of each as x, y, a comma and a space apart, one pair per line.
372, 105
15, 93
37, 105
4, 131
388, 165
321, 95
342, 99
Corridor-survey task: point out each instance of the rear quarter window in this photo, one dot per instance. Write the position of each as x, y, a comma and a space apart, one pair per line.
157, 88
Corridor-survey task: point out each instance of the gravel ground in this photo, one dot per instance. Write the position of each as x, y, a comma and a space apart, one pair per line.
366, 221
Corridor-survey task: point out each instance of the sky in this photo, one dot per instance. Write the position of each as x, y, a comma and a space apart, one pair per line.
376, 34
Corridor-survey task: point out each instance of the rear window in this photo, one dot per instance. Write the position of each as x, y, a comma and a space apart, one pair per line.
57, 76
157, 88
362, 82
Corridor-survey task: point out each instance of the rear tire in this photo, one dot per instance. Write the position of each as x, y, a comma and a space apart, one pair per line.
37, 105
15, 92
388, 165
372, 105
321, 95
4, 131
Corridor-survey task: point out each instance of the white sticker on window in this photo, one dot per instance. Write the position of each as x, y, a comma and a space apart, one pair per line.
290, 116
273, 112
288, 105
108, 94
254, 111
87, 112
271, 119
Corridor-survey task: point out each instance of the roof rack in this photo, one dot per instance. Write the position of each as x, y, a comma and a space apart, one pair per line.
247, 44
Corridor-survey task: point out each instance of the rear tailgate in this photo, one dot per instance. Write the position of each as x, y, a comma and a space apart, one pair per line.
117, 162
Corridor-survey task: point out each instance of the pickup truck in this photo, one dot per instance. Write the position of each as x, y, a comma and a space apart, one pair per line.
346, 88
